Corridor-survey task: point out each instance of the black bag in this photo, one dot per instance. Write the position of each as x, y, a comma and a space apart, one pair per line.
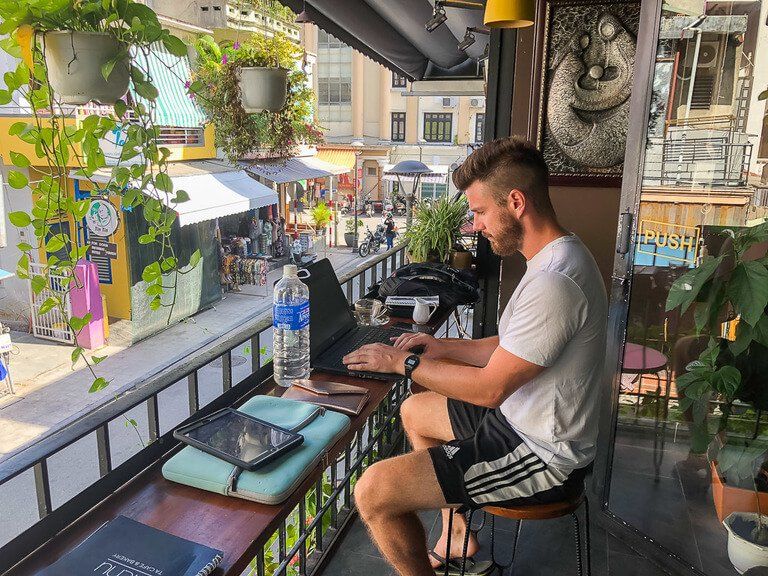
452, 286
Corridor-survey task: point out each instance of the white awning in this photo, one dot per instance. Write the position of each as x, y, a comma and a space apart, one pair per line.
439, 174
295, 169
214, 190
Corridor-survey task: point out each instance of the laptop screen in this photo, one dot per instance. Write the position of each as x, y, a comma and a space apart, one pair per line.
329, 313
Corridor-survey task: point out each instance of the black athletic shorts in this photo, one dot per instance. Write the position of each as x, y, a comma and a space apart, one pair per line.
489, 465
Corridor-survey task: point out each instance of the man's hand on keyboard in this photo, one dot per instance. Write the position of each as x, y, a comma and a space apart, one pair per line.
422, 344
377, 358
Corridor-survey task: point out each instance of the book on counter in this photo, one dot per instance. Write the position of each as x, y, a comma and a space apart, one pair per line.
124, 547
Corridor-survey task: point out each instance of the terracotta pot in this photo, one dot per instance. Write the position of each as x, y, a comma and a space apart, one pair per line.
74, 61
263, 88
729, 499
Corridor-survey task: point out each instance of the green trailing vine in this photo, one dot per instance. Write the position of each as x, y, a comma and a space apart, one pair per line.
138, 180
216, 86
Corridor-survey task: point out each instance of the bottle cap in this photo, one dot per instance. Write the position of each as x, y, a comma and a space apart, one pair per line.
290, 271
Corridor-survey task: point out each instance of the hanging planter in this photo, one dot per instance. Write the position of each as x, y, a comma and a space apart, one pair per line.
263, 89
743, 552
78, 62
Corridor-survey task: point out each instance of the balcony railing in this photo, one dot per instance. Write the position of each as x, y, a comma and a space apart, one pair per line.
153, 410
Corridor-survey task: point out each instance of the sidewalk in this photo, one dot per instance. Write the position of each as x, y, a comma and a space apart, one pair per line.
49, 394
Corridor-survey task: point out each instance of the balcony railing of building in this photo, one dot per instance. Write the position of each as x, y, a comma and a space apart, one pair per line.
328, 502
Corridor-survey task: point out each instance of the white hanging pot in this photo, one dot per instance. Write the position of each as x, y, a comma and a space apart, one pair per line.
263, 89
74, 61
742, 552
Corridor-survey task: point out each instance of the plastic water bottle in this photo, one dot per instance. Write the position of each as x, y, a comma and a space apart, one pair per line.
290, 328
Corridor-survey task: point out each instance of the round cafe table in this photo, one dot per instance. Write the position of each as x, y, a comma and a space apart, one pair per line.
642, 359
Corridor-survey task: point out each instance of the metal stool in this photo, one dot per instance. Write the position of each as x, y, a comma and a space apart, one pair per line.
532, 512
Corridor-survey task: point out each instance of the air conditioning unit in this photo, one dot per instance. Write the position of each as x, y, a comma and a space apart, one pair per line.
475, 103
448, 103
707, 57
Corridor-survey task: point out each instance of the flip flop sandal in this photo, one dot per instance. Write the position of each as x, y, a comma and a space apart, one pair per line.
472, 568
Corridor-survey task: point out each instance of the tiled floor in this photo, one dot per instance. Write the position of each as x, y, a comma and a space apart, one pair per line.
674, 507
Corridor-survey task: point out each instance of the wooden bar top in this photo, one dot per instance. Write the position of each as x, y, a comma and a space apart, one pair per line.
237, 527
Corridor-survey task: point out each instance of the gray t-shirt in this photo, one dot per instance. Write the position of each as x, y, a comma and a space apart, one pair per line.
557, 318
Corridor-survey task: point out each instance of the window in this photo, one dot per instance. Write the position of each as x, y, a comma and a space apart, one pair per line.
479, 127
334, 79
433, 191
398, 81
373, 171
398, 126
437, 127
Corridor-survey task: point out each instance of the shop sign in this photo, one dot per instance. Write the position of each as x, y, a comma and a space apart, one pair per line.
102, 218
102, 248
112, 145
677, 242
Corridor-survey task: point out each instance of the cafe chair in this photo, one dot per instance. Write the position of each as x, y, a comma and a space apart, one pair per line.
568, 506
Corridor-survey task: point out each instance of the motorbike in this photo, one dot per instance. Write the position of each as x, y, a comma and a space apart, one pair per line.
372, 241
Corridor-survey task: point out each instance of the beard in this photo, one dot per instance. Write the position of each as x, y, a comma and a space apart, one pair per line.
507, 241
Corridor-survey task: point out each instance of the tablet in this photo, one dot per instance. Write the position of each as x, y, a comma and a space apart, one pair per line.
238, 438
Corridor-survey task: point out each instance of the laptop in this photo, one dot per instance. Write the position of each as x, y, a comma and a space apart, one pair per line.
333, 330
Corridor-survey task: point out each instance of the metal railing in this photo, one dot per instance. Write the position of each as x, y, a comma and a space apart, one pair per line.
378, 438
709, 161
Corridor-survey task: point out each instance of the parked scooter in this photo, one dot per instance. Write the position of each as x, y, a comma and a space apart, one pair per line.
372, 241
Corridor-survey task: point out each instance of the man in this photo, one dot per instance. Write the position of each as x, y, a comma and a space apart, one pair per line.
509, 419
390, 231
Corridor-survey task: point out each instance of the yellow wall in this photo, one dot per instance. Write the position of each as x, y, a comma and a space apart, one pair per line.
208, 150
13, 144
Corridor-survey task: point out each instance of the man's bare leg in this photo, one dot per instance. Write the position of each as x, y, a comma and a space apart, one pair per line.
387, 496
426, 422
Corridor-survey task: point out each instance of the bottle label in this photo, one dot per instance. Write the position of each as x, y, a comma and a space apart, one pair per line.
291, 317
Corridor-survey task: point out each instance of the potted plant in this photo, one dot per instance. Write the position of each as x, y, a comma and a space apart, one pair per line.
85, 43
139, 180
258, 102
434, 229
321, 216
734, 288
350, 234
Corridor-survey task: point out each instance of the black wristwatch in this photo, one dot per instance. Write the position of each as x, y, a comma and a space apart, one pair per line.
410, 364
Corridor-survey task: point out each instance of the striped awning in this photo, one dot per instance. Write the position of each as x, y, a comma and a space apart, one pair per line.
339, 156
296, 169
169, 73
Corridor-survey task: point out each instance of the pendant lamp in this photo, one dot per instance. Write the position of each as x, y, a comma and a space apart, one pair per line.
509, 13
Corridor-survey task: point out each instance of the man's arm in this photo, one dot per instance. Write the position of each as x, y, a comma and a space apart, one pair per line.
474, 352
485, 386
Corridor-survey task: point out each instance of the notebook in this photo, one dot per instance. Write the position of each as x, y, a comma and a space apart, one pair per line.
130, 548
343, 398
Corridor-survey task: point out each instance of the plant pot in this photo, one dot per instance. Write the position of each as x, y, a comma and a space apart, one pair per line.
263, 88
730, 499
742, 552
349, 239
74, 61
460, 260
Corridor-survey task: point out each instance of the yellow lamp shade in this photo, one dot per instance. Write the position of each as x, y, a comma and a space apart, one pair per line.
509, 13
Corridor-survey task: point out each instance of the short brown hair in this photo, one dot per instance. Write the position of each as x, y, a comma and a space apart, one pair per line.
505, 164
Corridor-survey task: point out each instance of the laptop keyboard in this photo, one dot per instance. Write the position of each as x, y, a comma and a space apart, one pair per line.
362, 337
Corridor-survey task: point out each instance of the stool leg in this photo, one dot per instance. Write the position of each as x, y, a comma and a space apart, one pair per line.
577, 535
447, 552
514, 547
586, 533
466, 543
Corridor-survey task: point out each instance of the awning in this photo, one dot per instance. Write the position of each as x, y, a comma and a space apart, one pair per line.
173, 106
338, 156
392, 33
439, 174
214, 190
295, 169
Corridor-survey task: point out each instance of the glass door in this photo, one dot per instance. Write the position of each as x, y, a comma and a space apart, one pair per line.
688, 430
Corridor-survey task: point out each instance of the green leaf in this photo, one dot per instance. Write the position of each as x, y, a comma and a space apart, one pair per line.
17, 179
48, 305
19, 160
146, 90
154, 289
98, 359
686, 288
181, 196
155, 303
163, 182
743, 339
175, 45
76, 353
195, 258
146, 239
760, 333
38, 283
763, 95
98, 384
131, 422
151, 272
727, 381
24, 247
55, 243
20, 219
77, 323
17, 128
120, 108
748, 290
109, 65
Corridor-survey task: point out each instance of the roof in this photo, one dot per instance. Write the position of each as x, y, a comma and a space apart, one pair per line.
339, 156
